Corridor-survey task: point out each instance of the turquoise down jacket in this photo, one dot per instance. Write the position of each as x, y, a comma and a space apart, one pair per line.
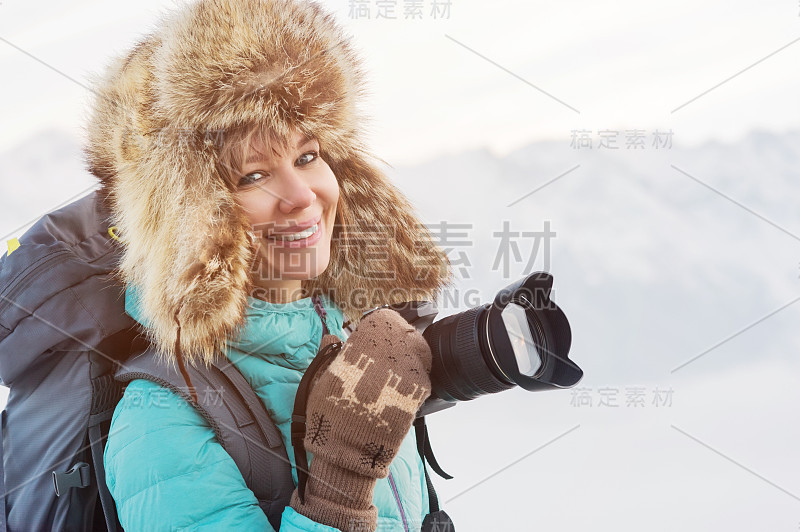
166, 470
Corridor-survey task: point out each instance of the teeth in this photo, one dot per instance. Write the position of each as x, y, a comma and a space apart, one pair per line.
297, 236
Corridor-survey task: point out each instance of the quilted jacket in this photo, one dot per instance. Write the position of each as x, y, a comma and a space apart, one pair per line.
167, 471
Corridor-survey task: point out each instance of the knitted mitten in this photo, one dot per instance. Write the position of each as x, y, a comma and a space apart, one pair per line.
359, 411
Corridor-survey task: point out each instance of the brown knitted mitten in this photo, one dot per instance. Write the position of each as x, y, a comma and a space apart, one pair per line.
359, 411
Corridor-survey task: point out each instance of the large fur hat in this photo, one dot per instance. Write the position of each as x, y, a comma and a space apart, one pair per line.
215, 65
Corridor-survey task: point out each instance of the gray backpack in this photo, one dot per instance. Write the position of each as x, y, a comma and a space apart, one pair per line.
63, 336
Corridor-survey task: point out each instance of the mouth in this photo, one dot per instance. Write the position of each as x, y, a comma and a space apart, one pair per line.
304, 238
294, 228
296, 236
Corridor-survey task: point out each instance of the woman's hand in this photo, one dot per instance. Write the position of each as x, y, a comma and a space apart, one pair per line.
359, 411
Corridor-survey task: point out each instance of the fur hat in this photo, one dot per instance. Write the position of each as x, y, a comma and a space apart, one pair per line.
152, 141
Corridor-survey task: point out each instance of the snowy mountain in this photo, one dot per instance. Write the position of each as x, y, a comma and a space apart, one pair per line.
659, 255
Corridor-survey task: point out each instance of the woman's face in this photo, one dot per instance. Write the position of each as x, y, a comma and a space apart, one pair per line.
290, 195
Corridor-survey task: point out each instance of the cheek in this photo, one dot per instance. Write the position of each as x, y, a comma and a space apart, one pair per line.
256, 209
328, 190
334, 193
332, 189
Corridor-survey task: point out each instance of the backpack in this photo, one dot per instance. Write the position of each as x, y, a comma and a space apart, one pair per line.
67, 348
63, 334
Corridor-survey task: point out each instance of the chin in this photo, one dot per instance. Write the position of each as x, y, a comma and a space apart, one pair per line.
311, 273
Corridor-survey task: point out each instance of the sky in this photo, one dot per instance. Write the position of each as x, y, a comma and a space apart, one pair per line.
500, 74
675, 257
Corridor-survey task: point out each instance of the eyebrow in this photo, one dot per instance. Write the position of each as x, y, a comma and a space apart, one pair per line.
257, 158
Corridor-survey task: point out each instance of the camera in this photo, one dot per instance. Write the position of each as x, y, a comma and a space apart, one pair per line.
522, 339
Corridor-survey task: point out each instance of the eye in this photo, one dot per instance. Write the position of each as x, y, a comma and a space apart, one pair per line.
254, 177
249, 180
315, 155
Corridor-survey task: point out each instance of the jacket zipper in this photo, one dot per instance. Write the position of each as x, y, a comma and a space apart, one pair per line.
19, 283
397, 499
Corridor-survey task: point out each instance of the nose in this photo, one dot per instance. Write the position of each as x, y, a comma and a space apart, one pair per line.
296, 194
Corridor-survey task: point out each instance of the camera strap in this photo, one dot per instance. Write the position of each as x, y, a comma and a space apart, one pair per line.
298, 427
436, 519
425, 450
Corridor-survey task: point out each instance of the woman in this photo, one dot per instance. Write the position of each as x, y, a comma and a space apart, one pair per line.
231, 124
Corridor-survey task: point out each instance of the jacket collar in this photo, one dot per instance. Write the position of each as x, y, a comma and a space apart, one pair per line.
291, 331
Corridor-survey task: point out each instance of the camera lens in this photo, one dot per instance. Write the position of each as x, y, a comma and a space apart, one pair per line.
463, 367
521, 339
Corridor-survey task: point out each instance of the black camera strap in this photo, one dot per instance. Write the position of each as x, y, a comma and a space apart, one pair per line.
298, 427
424, 448
436, 519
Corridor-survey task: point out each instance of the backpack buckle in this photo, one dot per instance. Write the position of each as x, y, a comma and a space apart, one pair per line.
76, 477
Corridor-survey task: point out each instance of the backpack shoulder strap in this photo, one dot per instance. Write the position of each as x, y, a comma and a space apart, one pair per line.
238, 418
106, 393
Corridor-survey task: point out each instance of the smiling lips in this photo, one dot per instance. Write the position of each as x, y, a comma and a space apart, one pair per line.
295, 229
298, 236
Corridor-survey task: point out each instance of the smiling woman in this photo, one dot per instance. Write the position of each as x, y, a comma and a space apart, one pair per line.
289, 195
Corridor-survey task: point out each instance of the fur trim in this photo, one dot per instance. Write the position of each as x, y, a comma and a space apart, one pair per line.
207, 67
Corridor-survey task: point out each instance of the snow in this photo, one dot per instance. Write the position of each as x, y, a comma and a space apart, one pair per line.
652, 269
